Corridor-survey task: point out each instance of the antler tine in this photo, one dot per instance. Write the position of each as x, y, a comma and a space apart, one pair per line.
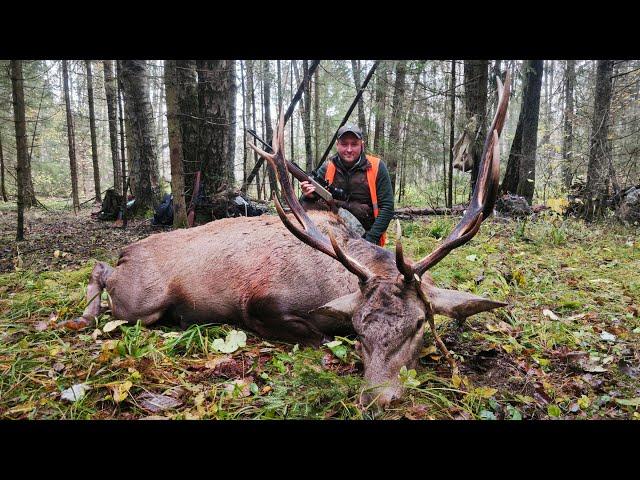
403, 267
309, 233
484, 193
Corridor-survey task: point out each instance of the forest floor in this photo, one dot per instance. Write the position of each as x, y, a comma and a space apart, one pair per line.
567, 345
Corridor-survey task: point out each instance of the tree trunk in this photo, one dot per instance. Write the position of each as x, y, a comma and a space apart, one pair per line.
396, 115
251, 108
316, 112
380, 107
527, 169
143, 173
71, 140
476, 77
266, 95
17, 83
244, 121
452, 125
175, 145
567, 137
110, 93
355, 66
599, 150
123, 158
92, 127
2, 183
216, 99
187, 91
160, 127
306, 119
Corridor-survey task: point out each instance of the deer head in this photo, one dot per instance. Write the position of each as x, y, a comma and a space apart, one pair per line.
389, 311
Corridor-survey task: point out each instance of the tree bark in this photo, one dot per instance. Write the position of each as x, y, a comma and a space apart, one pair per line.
17, 83
160, 127
216, 99
527, 169
251, 108
452, 125
355, 66
306, 119
187, 91
123, 158
71, 140
143, 163
175, 145
380, 106
92, 128
476, 77
599, 150
266, 104
110, 93
567, 137
2, 182
316, 112
396, 115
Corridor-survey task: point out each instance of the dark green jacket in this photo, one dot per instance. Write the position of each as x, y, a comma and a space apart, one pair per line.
354, 182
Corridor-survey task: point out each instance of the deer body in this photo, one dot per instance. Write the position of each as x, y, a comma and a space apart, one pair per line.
246, 271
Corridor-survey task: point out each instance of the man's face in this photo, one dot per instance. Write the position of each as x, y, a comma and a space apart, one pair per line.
349, 147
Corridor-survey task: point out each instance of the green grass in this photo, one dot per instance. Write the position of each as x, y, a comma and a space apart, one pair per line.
513, 360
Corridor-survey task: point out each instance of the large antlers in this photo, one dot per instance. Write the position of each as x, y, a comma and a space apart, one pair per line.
482, 201
309, 233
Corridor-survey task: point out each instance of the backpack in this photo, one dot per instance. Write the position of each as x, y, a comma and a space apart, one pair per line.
164, 212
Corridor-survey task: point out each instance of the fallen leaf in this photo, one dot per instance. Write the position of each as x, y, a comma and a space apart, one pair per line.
75, 393
485, 392
548, 313
214, 362
234, 340
156, 403
112, 325
242, 386
607, 336
120, 391
630, 402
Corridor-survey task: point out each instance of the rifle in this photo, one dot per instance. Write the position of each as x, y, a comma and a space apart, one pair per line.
323, 188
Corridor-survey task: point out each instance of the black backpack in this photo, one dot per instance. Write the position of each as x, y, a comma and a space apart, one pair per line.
164, 212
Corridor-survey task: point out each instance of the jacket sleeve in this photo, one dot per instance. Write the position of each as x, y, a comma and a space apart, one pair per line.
320, 172
385, 205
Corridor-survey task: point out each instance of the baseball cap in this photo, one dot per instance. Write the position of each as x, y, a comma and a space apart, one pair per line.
350, 128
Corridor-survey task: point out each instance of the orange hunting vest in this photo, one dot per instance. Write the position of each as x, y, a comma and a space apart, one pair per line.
372, 173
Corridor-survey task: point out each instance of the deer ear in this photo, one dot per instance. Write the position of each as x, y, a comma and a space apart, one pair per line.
341, 308
455, 304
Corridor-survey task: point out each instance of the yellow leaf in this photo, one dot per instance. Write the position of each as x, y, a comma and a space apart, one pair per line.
507, 348
558, 205
519, 277
456, 381
121, 390
54, 351
56, 253
485, 392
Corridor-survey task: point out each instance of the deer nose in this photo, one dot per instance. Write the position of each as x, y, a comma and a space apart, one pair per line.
381, 396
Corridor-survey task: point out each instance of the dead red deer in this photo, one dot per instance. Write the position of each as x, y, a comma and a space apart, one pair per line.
253, 273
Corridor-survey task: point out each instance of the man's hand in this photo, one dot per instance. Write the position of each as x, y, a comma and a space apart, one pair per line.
307, 189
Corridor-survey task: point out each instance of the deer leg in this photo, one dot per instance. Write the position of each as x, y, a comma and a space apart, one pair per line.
288, 328
461, 322
97, 282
